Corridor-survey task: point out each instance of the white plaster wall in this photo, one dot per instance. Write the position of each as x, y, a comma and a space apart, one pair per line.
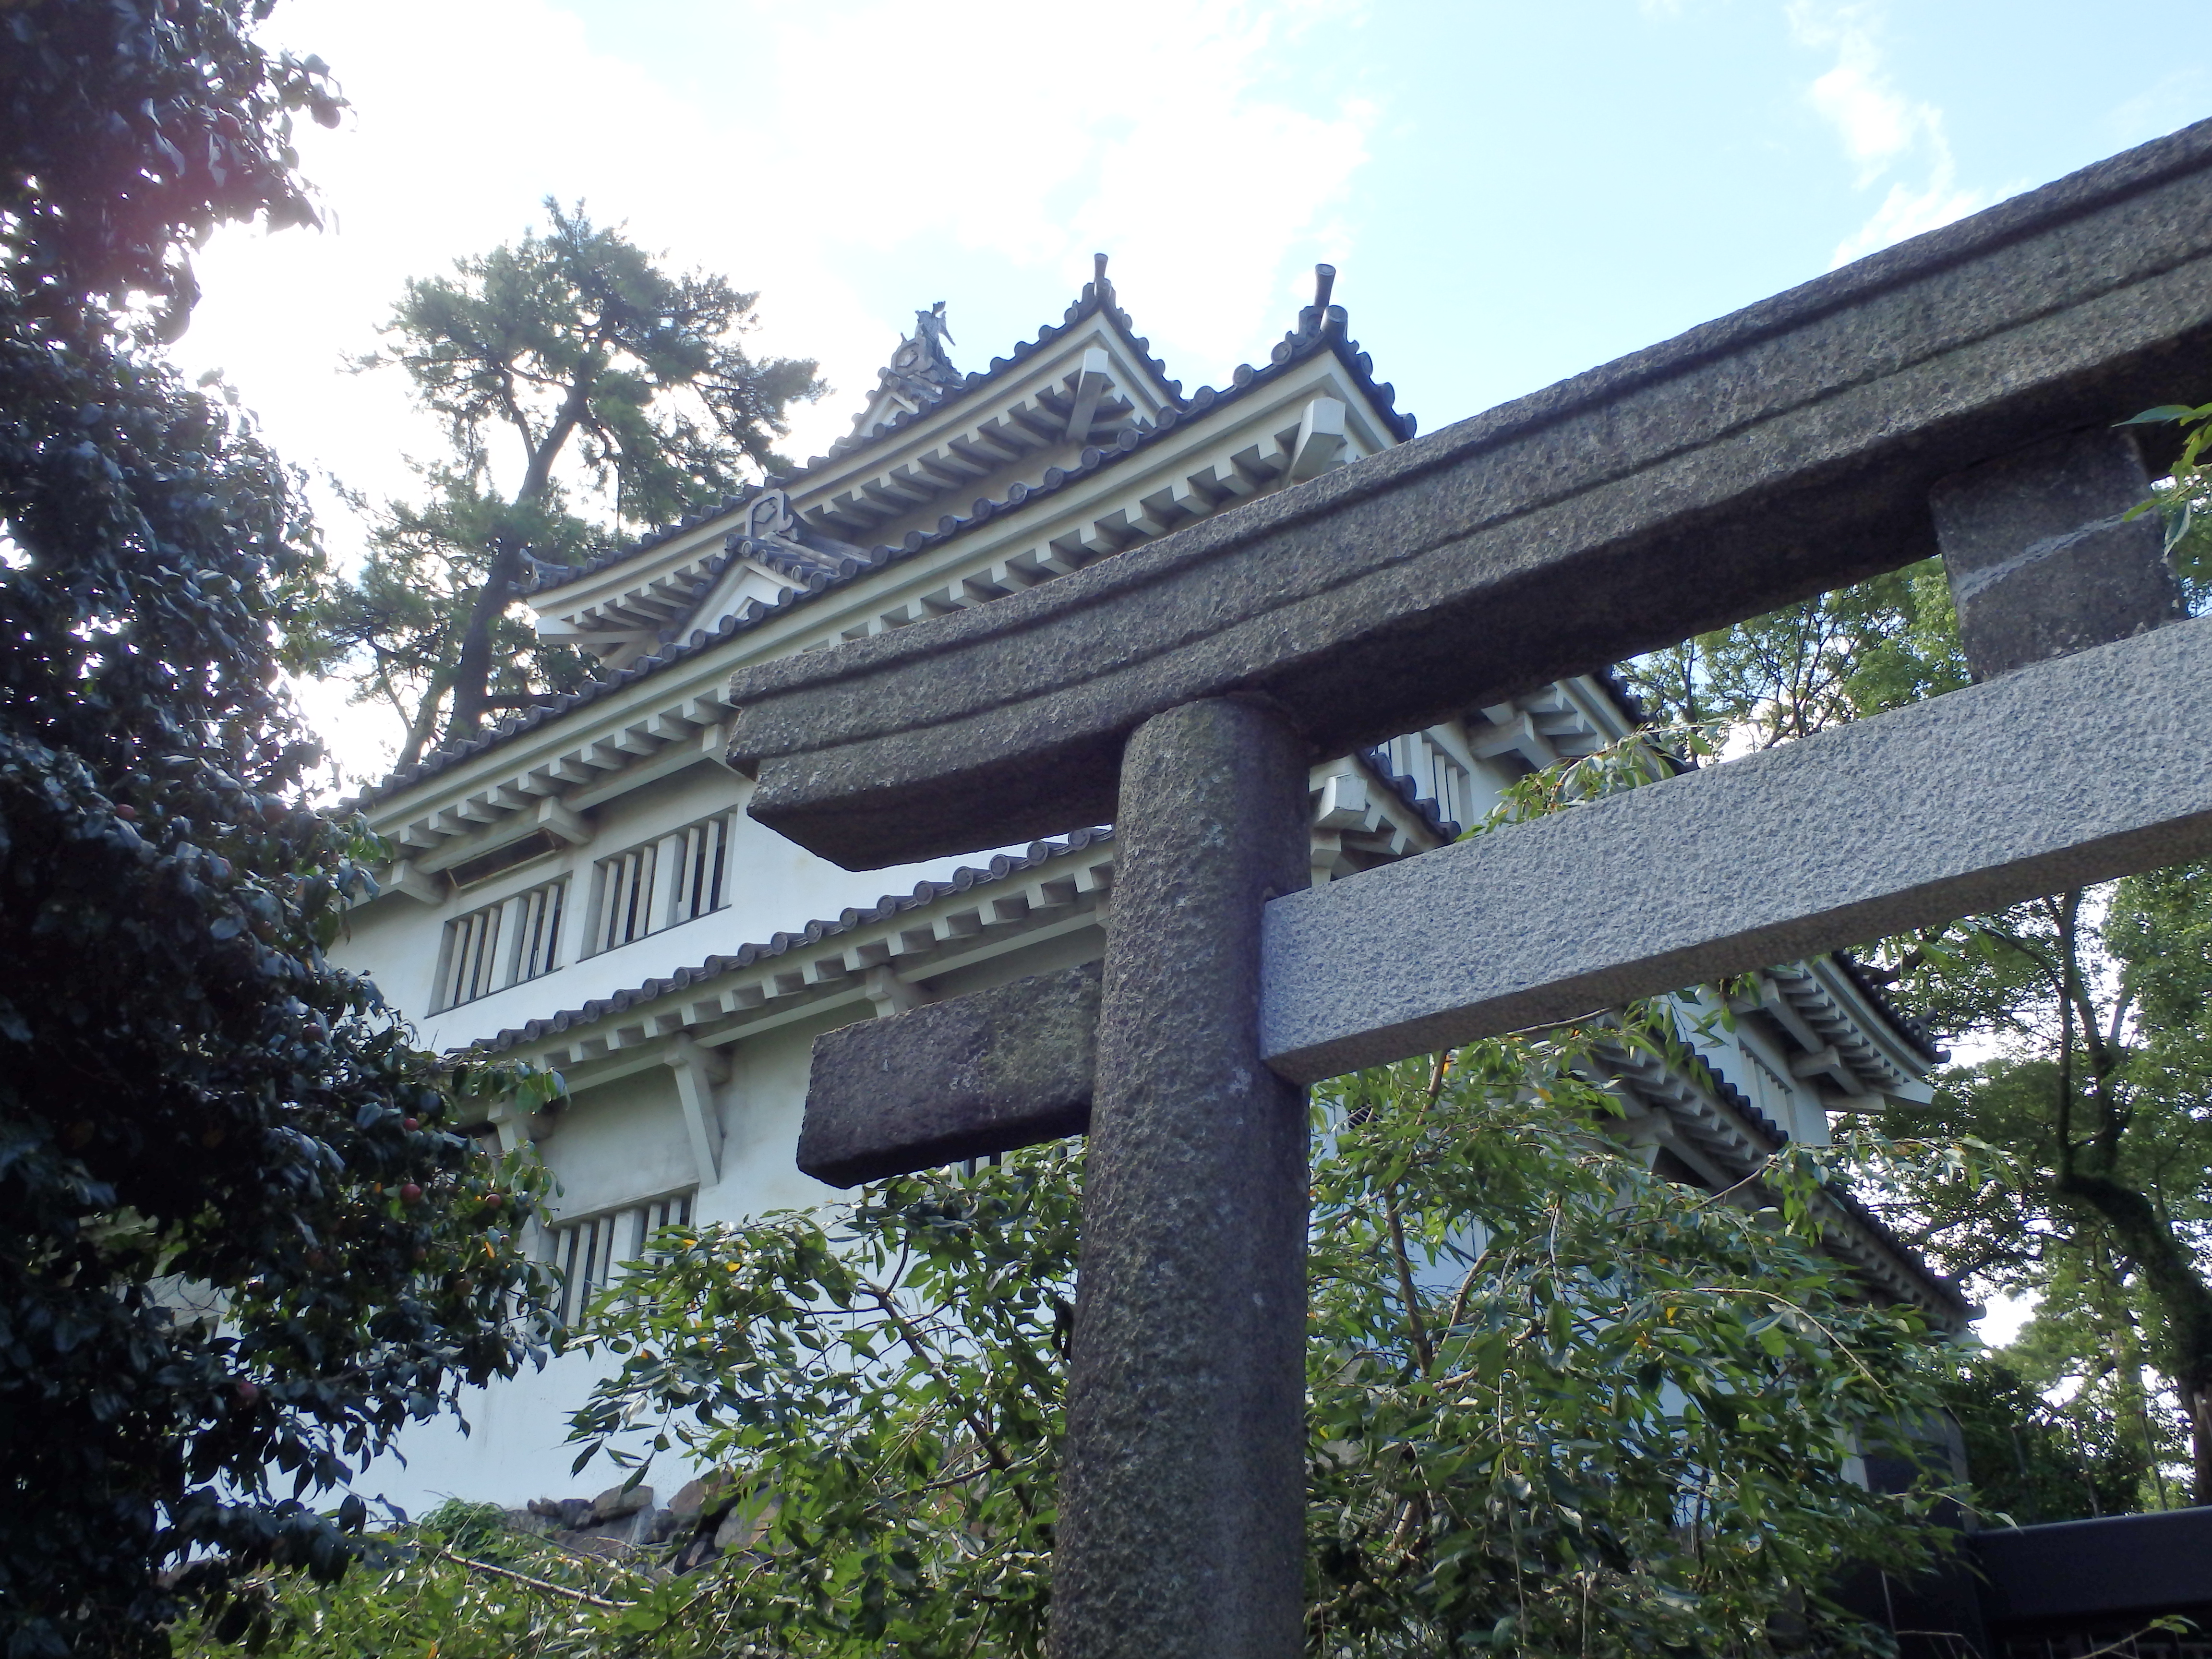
619, 1143
774, 887
612, 1144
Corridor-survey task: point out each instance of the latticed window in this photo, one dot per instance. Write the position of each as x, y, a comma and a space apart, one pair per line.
701, 852
626, 895
502, 945
538, 921
471, 956
587, 1253
682, 875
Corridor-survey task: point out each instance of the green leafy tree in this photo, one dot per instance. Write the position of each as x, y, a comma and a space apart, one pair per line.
2096, 1107
1796, 670
243, 1249
2033, 1462
570, 365
1559, 1407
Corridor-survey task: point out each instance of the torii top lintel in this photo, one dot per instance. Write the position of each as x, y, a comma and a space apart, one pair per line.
1771, 454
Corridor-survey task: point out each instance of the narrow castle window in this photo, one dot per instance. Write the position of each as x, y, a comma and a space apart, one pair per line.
502, 945
680, 876
585, 1253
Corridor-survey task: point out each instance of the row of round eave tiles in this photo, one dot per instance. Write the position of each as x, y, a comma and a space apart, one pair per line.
915, 540
966, 877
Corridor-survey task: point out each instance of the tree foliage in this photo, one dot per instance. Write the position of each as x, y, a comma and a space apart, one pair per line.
243, 1249
571, 366
2095, 1110
129, 130
1558, 1407
2088, 1117
2033, 1462
1853, 652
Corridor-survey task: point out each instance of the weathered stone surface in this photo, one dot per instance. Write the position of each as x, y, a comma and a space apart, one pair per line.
1182, 1496
1768, 455
690, 1497
982, 1073
618, 1501
1966, 802
746, 1524
568, 1513
2042, 558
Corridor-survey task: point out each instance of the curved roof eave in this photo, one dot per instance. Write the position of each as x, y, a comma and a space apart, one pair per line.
1318, 332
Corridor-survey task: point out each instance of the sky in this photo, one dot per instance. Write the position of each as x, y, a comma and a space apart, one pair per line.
1511, 193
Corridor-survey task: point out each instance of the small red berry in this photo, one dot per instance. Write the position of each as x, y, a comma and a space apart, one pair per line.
491, 1200
127, 812
410, 1124
410, 1194
247, 1389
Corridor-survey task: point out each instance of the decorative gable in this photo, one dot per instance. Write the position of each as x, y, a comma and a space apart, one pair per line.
918, 376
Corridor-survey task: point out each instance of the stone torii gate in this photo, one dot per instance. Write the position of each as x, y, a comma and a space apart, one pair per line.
1954, 394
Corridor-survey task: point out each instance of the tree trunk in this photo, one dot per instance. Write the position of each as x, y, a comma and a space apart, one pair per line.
472, 669
2183, 1342
2197, 1403
423, 723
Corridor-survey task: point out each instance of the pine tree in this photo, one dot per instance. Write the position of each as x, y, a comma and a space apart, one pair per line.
571, 366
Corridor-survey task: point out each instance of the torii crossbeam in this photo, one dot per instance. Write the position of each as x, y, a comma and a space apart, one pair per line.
1955, 393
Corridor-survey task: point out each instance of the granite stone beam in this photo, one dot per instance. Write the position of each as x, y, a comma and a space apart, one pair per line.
2066, 772
982, 1073
1776, 452
2042, 557
1182, 1528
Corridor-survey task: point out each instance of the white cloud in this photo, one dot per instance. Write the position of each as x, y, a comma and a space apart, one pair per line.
1876, 123
995, 147
1906, 211
1883, 130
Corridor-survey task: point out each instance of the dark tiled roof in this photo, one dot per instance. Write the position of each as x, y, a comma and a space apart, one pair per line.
1097, 297
1377, 762
1844, 1200
544, 577
1318, 330
1907, 1026
926, 892
1629, 703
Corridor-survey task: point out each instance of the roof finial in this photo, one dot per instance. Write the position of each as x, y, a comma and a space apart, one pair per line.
1324, 284
1098, 270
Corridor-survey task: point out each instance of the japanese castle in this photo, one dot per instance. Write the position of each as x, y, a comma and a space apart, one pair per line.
580, 887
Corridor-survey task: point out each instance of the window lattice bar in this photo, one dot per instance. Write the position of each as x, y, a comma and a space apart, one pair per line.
626, 902
472, 962
538, 923
699, 871
587, 1253
672, 879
